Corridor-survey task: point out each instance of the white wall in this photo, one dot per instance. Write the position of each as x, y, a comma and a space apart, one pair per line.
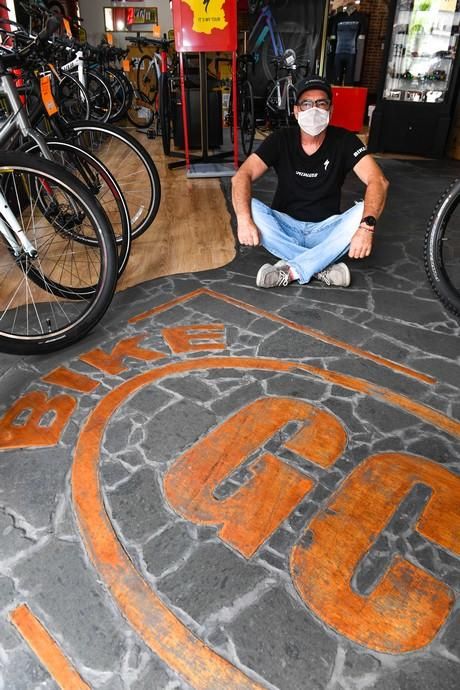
93, 16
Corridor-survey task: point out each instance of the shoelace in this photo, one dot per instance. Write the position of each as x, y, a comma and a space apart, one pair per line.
324, 276
283, 279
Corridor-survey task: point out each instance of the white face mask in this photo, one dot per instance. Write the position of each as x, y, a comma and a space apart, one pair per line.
313, 121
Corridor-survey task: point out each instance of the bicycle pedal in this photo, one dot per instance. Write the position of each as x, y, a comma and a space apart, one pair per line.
150, 134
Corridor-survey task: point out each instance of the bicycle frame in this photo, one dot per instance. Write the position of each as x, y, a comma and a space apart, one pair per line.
281, 93
17, 121
7, 215
79, 63
266, 17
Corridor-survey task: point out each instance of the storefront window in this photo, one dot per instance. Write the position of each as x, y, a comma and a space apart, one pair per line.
422, 50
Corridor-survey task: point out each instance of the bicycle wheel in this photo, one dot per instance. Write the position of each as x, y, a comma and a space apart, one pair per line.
442, 248
100, 96
271, 104
146, 77
129, 163
291, 99
53, 294
101, 184
72, 99
119, 94
165, 113
247, 120
140, 111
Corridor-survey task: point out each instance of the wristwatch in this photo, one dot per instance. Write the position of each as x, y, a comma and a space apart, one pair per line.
370, 221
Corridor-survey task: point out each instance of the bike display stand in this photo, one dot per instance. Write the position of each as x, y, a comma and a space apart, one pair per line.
196, 32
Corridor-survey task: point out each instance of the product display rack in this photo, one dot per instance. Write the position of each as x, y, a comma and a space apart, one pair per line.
414, 111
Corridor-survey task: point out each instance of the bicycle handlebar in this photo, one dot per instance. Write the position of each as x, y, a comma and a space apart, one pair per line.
160, 42
17, 58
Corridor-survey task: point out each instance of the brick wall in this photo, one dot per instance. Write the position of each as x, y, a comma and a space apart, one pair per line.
374, 50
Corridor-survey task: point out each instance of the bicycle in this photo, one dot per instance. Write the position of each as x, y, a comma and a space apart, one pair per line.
245, 105
442, 248
281, 93
267, 40
58, 266
155, 75
119, 152
91, 171
274, 48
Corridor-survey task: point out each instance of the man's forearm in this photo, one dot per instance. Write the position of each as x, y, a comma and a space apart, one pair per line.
375, 197
241, 196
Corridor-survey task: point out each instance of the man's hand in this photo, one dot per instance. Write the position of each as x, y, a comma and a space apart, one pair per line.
248, 233
361, 244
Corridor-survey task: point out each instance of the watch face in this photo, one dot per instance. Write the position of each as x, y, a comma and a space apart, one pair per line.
369, 220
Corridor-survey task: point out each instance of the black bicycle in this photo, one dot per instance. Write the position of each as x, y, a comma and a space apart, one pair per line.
442, 248
245, 104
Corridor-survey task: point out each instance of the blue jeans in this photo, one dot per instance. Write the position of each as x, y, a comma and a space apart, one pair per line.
306, 247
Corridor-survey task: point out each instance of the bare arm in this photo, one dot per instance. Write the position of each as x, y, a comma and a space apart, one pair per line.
374, 201
252, 168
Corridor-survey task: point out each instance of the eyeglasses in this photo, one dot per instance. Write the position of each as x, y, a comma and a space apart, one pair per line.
323, 103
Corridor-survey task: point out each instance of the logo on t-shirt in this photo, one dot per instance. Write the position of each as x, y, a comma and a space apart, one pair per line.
356, 153
326, 163
304, 174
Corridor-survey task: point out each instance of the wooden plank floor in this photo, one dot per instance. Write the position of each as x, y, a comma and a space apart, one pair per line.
192, 230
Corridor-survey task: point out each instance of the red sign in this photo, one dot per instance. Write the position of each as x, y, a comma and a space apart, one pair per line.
204, 25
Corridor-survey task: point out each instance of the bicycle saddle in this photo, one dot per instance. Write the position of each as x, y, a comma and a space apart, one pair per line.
289, 58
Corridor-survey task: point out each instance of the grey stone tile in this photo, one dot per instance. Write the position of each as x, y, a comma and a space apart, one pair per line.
307, 650
423, 674
213, 577
66, 595
167, 550
31, 482
137, 506
175, 428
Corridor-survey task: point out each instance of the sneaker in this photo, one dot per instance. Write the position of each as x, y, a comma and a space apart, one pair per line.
335, 274
270, 276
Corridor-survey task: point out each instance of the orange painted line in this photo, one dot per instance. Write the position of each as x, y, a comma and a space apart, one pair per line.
168, 305
312, 332
71, 379
46, 649
161, 630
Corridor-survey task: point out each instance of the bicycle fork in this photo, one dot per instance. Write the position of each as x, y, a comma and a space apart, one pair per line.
14, 231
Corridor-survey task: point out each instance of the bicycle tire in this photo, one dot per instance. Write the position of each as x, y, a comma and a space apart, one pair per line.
165, 114
100, 96
247, 119
72, 99
119, 94
140, 112
130, 164
101, 184
54, 299
146, 78
441, 250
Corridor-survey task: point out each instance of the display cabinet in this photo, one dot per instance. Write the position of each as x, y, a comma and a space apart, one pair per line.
414, 110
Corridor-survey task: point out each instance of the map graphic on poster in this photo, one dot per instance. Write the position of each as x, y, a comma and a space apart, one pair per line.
207, 15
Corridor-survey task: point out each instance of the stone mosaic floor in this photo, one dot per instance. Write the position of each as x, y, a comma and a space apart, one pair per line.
226, 488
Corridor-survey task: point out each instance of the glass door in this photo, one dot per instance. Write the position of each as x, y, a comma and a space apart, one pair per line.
422, 50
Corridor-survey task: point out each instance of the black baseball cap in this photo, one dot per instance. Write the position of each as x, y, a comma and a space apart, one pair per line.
311, 83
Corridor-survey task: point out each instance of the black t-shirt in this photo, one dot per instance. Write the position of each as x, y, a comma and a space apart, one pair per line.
309, 186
